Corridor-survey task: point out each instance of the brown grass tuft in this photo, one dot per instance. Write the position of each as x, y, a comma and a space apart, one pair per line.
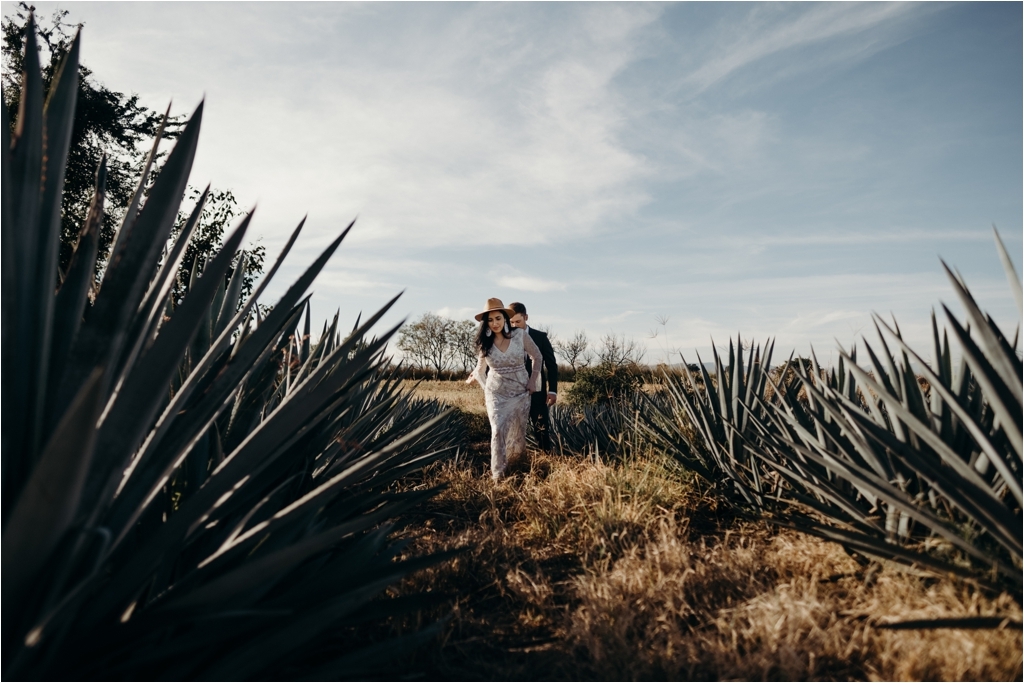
779, 607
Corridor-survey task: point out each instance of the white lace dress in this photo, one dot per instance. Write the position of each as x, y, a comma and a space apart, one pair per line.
507, 389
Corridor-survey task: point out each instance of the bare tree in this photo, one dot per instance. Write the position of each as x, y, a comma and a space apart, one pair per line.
463, 339
575, 351
427, 342
619, 351
439, 343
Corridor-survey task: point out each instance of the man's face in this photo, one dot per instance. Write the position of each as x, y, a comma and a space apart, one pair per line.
519, 320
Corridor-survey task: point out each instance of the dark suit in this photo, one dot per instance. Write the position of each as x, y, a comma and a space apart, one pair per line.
539, 416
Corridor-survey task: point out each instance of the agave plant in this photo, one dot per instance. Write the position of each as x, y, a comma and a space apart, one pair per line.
708, 420
191, 490
921, 473
608, 430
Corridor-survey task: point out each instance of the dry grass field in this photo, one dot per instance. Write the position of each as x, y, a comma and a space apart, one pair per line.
575, 569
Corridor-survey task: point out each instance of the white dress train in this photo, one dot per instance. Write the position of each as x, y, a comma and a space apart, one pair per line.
507, 389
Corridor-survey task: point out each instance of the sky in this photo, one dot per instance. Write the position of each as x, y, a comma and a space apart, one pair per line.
674, 173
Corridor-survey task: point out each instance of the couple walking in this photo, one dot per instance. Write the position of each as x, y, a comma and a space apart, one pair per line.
512, 360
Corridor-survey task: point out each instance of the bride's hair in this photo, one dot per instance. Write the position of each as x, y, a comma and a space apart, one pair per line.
485, 341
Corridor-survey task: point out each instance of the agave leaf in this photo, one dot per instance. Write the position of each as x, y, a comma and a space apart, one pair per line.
48, 502
347, 476
151, 311
305, 337
876, 547
996, 522
26, 162
969, 422
892, 495
251, 658
262, 571
103, 335
254, 345
132, 408
70, 304
992, 384
164, 447
232, 298
205, 337
862, 454
224, 479
1011, 273
133, 206
975, 503
59, 115
248, 660
9, 313
923, 431
239, 366
1008, 369
309, 398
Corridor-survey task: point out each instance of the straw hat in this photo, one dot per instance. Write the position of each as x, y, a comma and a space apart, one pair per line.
494, 305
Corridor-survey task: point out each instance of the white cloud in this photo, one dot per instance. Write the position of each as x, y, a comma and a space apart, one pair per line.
622, 159
514, 279
463, 313
762, 35
618, 317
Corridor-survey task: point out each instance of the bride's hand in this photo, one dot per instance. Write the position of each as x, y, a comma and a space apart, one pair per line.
470, 379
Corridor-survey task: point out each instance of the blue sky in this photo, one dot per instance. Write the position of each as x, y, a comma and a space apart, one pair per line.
775, 170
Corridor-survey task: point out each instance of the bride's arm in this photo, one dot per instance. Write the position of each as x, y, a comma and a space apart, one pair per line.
478, 375
538, 362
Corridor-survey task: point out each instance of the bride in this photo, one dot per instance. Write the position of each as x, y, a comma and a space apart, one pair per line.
501, 371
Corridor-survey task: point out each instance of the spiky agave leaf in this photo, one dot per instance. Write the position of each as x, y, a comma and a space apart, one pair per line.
869, 459
607, 431
709, 422
167, 510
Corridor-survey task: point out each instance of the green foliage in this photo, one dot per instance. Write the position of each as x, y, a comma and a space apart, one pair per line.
190, 491
219, 209
604, 382
865, 456
106, 124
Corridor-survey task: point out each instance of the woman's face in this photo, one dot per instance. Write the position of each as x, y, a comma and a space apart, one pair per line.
496, 321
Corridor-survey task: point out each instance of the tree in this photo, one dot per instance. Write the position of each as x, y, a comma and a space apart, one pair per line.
428, 342
106, 123
115, 125
575, 351
619, 351
440, 344
220, 209
463, 338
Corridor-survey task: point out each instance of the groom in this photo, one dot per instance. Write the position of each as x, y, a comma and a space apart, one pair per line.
547, 395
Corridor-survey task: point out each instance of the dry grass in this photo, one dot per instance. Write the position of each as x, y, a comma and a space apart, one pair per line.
467, 397
578, 570
781, 607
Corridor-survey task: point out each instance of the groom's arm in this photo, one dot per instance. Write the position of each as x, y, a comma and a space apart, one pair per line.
550, 362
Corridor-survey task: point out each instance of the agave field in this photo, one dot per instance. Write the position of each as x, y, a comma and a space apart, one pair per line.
197, 487
905, 461
865, 456
190, 489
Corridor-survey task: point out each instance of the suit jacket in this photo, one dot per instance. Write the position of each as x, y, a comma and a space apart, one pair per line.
549, 374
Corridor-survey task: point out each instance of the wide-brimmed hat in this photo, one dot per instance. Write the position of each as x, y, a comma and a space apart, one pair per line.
494, 305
